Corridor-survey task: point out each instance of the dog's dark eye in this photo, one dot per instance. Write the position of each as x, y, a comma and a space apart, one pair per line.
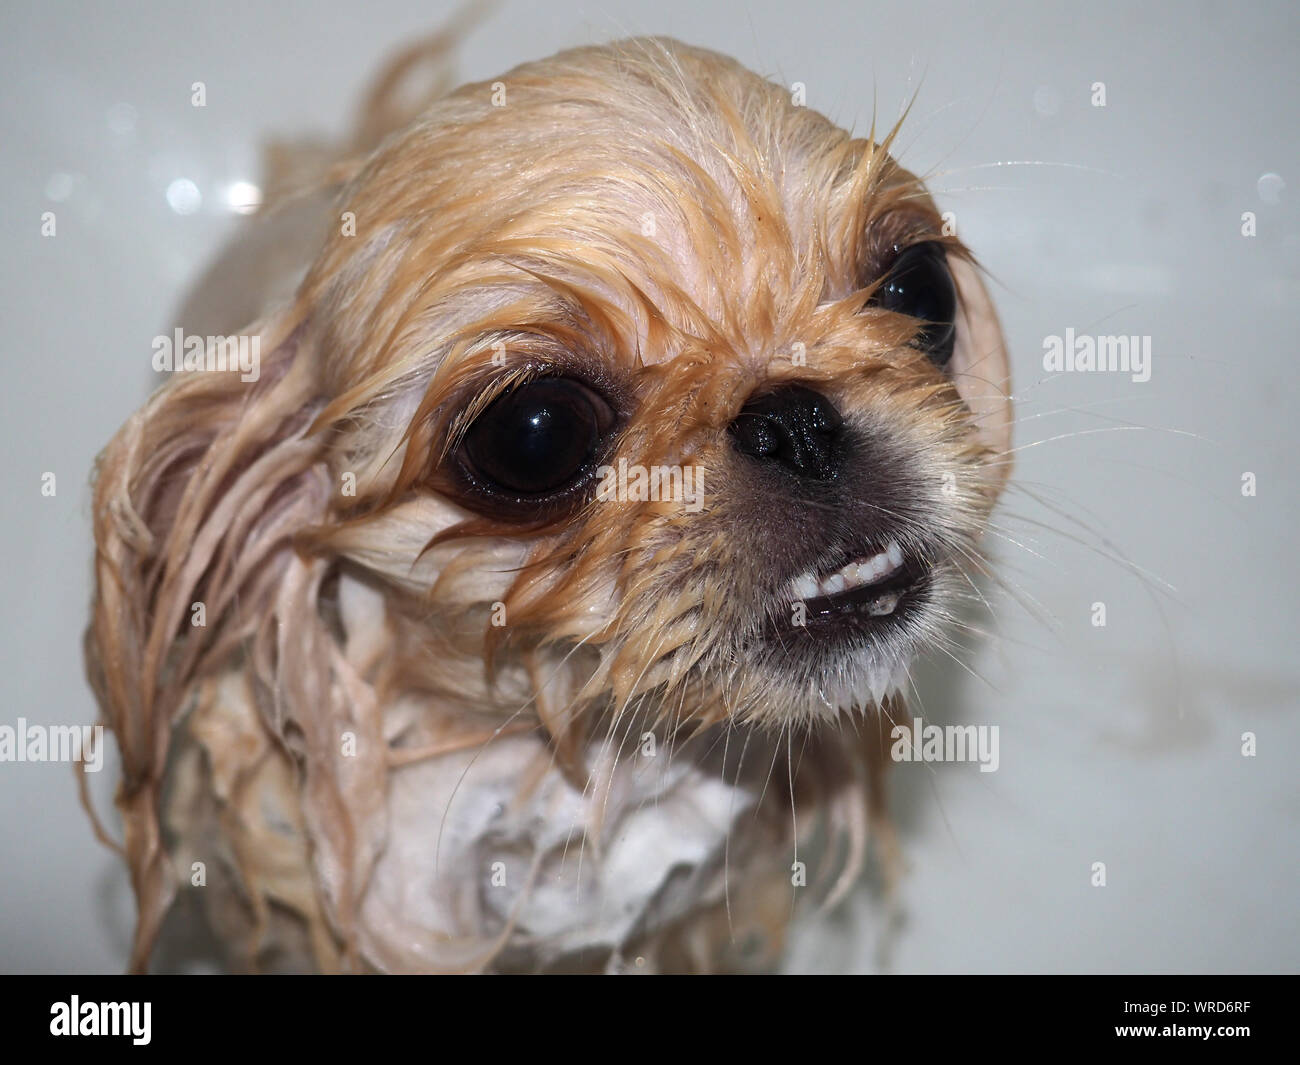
919, 284
537, 439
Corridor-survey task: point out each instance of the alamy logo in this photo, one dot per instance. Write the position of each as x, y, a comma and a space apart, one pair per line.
53, 743
102, 1018
1082, 353
949, 743
639, 484
241, 354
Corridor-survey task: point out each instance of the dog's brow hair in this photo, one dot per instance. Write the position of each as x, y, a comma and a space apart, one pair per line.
494, 389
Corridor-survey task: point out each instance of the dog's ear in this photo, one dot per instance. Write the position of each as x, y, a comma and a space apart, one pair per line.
197, 501
980, 367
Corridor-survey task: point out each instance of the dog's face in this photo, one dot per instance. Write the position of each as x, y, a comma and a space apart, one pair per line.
623, 386
631, 353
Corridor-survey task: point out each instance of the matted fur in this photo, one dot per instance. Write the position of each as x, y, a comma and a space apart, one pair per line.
659, 220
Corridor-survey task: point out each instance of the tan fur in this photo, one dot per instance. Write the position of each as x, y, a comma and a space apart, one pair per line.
368, 615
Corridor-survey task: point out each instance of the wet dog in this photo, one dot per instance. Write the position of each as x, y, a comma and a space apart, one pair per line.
631, 431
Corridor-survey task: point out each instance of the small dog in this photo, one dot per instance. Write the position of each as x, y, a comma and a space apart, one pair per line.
543, 602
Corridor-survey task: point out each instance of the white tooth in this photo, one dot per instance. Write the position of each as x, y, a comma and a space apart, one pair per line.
834, 584
884, 605
874, 567
805, 587
895, 555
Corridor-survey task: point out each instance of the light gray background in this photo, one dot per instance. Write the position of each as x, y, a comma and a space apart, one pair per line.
1118, 744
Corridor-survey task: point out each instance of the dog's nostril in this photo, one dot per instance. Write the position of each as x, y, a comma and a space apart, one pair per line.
792, 426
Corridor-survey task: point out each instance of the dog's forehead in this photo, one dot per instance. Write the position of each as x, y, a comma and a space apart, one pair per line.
670, 183
665, 189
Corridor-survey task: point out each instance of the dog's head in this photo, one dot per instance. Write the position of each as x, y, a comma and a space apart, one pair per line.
712, 376
622, 379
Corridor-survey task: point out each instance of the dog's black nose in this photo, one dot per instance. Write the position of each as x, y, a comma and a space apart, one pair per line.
793, 426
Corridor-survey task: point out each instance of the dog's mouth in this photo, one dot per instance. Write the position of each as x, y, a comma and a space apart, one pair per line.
871, 591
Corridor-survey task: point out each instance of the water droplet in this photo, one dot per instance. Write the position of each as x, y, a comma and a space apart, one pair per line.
243, 197
1047, 101
183, 196
1270, 187
59, 186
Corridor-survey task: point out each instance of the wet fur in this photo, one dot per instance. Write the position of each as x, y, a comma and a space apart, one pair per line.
369, 615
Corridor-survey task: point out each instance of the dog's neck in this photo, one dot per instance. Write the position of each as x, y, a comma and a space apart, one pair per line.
480, 855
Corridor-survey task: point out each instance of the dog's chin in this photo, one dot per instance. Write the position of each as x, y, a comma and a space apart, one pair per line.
828, 685
846, 637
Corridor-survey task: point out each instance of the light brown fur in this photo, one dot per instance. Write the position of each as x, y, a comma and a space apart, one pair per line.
332, 615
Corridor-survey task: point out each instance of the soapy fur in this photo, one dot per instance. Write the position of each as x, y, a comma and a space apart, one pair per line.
376, 776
